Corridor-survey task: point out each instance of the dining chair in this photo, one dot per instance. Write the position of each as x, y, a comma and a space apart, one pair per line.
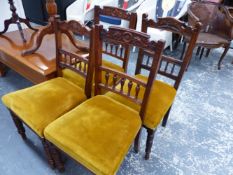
162, 93
122, 58
99, 132
41, 104
126, 19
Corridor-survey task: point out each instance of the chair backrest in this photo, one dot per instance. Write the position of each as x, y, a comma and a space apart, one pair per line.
214, 17
75, 61
115, 13
125, 37
121, 14
170, 67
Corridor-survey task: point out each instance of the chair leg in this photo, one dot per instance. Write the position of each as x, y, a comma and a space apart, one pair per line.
137, 141
165, 118
207, 53
223, 55
198, 50
48, 153
149, 142
202, 51
183, 50
57, 158
19, 125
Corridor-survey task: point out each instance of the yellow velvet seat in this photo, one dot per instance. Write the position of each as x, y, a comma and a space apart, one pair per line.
80, 81
161, 98
39, 105
97, 133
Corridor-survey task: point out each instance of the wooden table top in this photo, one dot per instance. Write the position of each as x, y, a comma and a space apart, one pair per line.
43, 60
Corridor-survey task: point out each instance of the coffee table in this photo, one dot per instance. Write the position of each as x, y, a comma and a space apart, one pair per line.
37, 67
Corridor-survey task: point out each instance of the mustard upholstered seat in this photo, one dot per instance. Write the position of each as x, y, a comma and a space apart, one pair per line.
80, 81
41, 104
161, 98
97, 133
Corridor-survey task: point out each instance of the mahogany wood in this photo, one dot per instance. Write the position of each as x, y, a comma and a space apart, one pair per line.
137, 141
121, 53
15, 19
37, 67
66, 57
56, 157
51, 7
126, 37
170, 67
48, 152
19, 125
116, 36
217, 25
149, 142
76, 61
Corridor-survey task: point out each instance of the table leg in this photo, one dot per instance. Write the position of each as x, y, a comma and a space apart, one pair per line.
2, 69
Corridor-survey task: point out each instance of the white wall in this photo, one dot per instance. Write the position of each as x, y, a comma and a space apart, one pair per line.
6, 13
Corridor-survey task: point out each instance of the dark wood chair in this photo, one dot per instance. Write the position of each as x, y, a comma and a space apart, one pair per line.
122, 58
216, 26
100, 137
118, 14
162, 94
41, 104
170, 67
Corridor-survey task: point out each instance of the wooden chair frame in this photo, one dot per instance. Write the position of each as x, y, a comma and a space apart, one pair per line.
131, 17
116, 35
133, 38
219, 23
174, 26
72, 61
64, 59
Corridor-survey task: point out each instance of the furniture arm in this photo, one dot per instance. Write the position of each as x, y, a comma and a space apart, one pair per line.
193, 17
228, 12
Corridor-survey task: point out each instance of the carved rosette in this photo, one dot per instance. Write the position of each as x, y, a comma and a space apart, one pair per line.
133, 38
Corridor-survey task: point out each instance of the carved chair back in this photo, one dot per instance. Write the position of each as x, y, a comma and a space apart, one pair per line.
170, 67
129, 38
65, 58
215, 18
120, 14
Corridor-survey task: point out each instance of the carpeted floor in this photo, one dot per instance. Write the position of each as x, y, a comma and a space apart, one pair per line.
198, 138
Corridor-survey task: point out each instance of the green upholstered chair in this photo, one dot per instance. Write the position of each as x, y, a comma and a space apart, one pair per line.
41, 104
99, 132
162, 94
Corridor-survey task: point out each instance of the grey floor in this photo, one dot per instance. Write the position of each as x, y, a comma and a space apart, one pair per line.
198, 138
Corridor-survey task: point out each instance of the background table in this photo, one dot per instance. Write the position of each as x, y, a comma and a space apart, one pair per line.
36, 67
